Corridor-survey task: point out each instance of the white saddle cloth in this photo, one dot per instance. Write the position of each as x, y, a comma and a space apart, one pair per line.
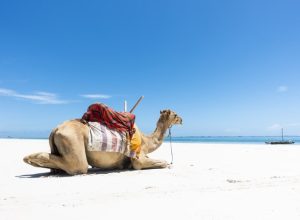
101, 138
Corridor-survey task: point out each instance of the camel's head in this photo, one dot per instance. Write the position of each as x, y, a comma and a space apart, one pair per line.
171, 117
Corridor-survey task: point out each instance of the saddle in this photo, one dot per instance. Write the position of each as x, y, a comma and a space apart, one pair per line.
101, 138
119, 121
112, 131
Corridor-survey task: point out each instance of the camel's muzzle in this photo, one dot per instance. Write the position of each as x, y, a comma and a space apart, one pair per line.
179, 121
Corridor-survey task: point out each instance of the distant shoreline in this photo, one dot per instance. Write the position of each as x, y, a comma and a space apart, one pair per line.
203, 139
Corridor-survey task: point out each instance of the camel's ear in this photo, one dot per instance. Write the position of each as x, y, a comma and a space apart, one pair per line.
168, 112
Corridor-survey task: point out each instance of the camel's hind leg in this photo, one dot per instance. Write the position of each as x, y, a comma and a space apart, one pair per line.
45, 160
55, 163
54, 151
68, 150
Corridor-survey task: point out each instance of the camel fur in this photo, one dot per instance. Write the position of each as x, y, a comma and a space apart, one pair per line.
69, 142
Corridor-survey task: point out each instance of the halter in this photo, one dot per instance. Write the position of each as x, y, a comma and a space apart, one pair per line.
170, 138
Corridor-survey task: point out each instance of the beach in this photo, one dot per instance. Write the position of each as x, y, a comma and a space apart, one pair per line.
207, 181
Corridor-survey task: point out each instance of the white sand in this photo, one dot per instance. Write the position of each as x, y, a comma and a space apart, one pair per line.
207, 181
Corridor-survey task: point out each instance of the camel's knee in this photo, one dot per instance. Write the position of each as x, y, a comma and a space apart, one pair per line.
136, 164
77, 170
75, 165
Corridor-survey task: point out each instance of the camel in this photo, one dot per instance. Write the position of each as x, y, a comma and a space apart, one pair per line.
69, 141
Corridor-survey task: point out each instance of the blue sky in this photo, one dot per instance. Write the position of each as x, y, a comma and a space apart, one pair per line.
227, 67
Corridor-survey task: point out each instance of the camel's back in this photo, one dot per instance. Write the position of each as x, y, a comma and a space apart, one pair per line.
72, 127
71, 134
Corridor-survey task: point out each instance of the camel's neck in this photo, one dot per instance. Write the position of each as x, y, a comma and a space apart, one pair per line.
157, 137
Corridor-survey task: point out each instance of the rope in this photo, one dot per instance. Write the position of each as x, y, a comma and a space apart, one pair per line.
170, 138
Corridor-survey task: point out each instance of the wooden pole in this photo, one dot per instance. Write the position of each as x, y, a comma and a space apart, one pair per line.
136, 104
125, 106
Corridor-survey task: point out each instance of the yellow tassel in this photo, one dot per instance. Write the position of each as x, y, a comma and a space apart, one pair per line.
136, 141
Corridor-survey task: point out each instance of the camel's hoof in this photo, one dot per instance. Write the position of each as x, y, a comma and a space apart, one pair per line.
29, 161
26, 160
164, 164
170, 166
37, 160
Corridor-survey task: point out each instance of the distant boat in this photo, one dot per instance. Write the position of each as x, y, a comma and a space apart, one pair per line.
282, 141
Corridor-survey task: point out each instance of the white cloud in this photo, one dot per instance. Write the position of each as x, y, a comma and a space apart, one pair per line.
6, 92
38, 97
274, 127
96, 96
282, 89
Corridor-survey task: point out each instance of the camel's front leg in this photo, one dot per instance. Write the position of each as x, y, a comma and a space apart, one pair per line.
144, 162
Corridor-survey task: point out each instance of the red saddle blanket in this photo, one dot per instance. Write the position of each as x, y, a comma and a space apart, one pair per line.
119, 121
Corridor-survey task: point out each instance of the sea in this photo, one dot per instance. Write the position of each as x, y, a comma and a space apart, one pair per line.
202, 139
232, 139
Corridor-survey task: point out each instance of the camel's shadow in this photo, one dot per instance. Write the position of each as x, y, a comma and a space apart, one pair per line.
91, 171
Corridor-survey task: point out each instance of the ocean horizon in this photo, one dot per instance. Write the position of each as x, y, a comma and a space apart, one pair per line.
232, 139
201, 139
